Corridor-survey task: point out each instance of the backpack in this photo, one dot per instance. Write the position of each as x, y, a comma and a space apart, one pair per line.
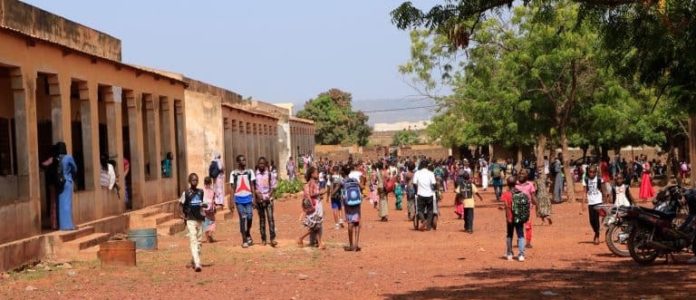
520, 207
466, 189
60, 175
213, 170
390, 185
351, 192
193, 205
496, 170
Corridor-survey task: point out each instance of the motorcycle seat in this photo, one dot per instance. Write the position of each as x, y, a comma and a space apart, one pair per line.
660, 214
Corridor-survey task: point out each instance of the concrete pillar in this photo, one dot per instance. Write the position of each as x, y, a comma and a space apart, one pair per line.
249, 143
137, 160
89, 118
692, 147
59, 107
168, 137
228, 143
114, 130
241, 142
180, 128
153, 137
23, 86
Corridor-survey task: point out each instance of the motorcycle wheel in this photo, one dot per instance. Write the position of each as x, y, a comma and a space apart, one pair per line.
613, 240
640, 252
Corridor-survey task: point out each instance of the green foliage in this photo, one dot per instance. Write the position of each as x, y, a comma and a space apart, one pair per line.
334, 119
287, 187
405, 138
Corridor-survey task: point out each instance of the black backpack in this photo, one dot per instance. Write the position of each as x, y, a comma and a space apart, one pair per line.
213, 170
60, 175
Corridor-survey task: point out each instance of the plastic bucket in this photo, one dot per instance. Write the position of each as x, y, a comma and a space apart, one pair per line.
117, 253
145, 239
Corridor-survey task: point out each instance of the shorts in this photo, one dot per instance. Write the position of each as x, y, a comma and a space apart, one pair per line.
353, 214
336, 203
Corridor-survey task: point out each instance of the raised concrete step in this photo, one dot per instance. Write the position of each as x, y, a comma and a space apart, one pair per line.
87, 241
162, 218
67, 236
171, 227
147, 212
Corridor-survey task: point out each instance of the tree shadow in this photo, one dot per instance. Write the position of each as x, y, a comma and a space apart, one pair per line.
588, 280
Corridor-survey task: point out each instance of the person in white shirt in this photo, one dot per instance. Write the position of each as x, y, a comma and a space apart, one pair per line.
593, 197
424, 182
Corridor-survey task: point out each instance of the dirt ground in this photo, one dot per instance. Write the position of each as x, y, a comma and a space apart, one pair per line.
396, 262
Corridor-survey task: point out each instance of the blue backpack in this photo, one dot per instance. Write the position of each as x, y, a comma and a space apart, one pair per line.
351, 192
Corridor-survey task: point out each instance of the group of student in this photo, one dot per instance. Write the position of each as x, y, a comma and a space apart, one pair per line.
251, 189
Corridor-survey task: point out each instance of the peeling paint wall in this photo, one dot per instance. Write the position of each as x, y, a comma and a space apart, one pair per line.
204, 131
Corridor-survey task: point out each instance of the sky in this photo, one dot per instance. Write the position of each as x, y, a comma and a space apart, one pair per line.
276, 51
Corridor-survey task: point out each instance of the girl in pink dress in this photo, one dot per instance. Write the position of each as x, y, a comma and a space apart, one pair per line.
646, 188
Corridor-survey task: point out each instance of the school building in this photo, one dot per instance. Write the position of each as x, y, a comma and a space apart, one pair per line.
63, 82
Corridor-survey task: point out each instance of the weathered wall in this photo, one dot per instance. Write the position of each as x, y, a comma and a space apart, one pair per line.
41, 24
204, 133
385, 138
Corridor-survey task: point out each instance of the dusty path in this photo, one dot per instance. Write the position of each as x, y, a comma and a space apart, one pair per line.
396, 262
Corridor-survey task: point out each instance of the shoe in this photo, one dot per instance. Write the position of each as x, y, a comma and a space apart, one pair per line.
596, 241
250, 242
529, 246
337, 226
264, 243
509, 257
198, 268
521, 258
245, 245
274, 243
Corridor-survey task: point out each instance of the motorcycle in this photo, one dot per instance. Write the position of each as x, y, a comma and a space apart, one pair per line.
656, 232
618, 231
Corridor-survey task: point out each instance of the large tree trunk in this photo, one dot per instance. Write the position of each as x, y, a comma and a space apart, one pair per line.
672, 165
518, 163
692, 146
570, 184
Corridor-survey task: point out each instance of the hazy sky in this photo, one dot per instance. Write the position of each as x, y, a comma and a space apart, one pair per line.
277, 51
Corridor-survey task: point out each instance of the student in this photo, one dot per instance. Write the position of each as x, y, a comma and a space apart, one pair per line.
467, 191
528, 188
312, 209
191, 206
209, 199
352, 198
514, 204
336, 196
621, 192
424, 182
266, 183
242, 181
496, 171
167, 165
593, 197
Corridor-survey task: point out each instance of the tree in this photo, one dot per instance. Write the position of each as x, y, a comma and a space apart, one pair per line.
334, 119
405, 138
523, 82
651, 41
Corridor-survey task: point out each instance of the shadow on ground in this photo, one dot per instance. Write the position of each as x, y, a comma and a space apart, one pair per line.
618, 280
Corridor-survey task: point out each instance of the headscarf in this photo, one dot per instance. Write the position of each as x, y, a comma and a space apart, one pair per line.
217, 158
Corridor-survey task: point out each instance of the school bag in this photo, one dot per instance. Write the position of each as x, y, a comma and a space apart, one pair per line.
520, 207
193, 205
60, 175
351, 192
496, 170
213, 170
466, 190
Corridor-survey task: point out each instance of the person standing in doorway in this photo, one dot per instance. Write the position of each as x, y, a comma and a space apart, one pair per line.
242, 181
107, 176
167, 165
66, 170
50, 167
266, 183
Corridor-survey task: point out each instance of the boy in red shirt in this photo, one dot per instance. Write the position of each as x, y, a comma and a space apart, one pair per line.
518, 226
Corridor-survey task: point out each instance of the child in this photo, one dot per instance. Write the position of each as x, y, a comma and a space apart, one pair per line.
336, 201
192, 204
528, 188
513, 200
209, 199
467, 190
620, 192
352, 197
593, 197
312, 210
398, 193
